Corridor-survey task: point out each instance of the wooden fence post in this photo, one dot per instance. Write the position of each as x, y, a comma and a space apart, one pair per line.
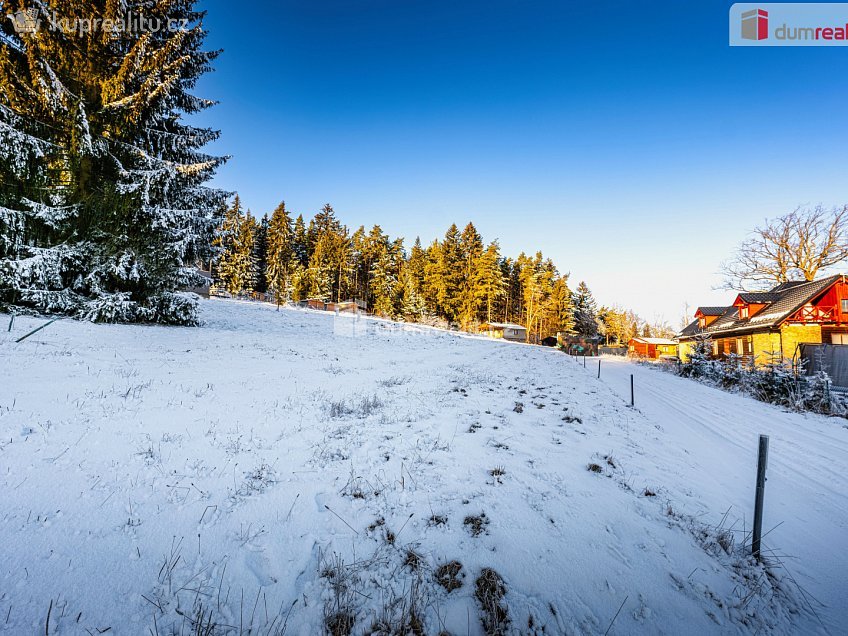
762, 463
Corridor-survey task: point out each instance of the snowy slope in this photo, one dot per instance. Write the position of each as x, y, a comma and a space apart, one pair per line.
276, 470
716, 434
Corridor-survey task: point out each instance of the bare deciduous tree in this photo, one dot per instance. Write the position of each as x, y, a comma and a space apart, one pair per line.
796, 246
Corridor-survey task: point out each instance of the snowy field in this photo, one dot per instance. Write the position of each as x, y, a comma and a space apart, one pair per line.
287, 472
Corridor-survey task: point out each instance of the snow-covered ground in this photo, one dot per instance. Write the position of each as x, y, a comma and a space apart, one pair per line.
279, 472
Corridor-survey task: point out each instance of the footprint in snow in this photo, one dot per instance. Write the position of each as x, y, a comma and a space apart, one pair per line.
260, 565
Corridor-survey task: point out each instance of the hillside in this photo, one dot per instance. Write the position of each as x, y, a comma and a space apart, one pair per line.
286, 472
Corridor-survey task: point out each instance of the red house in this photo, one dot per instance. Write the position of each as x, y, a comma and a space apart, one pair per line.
651, 348
774, 323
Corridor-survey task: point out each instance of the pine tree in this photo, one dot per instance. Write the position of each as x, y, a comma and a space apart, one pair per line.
585, 310
260, 253
300, 242
413, 307
447, 275
471, 249
236, 267
103, 208
560, 308
224, 242
328, 261
533, 291
489, 283
416, 265
280, 258
385, 285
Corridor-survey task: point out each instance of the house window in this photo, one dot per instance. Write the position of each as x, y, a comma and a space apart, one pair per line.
844, 303
743, 312
740, 351
702, 322
839, 338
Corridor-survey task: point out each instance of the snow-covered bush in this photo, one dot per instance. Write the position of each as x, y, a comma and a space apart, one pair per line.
700, 365
777, 382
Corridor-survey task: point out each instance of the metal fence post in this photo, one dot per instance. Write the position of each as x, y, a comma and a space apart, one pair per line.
762, 463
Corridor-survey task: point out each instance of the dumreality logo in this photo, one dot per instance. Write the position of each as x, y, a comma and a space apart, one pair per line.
755, 24
789, 24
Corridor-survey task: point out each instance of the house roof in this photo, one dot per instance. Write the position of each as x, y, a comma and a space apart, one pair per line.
656, 341
505, 325
758, 298
711, 311
689, 330
780, 303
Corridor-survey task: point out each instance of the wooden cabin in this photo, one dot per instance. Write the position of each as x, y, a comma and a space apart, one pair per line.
313, 303
761, 326
348, 306
504, 330
651, 348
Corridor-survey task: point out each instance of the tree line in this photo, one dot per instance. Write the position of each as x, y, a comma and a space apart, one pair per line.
458, 280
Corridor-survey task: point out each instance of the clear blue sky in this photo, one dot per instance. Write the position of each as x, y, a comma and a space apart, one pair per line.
627, 141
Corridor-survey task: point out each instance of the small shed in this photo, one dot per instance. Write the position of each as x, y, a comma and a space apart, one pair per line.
313, 303
651, 348
348, 306
505, 330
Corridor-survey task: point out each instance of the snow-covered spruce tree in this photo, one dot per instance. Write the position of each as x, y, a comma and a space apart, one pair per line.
816, 394
700, 364
103, 207
260, 253
585, 311
280, 255
235, 268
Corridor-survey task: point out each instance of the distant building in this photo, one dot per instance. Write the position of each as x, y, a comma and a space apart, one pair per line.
343, 306
505, 330
205, 282
651, 348
578, 345
313, 303
349, 306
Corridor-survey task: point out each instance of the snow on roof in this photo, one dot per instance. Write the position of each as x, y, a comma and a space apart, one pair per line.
656, 341
505, 325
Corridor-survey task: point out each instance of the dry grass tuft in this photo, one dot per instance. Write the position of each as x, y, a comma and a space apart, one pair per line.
449, 575
490, 590
476, 524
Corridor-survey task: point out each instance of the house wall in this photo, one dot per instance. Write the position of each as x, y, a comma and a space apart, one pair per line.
684, 349
666, 350
515, 335
793, 335
764, 345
